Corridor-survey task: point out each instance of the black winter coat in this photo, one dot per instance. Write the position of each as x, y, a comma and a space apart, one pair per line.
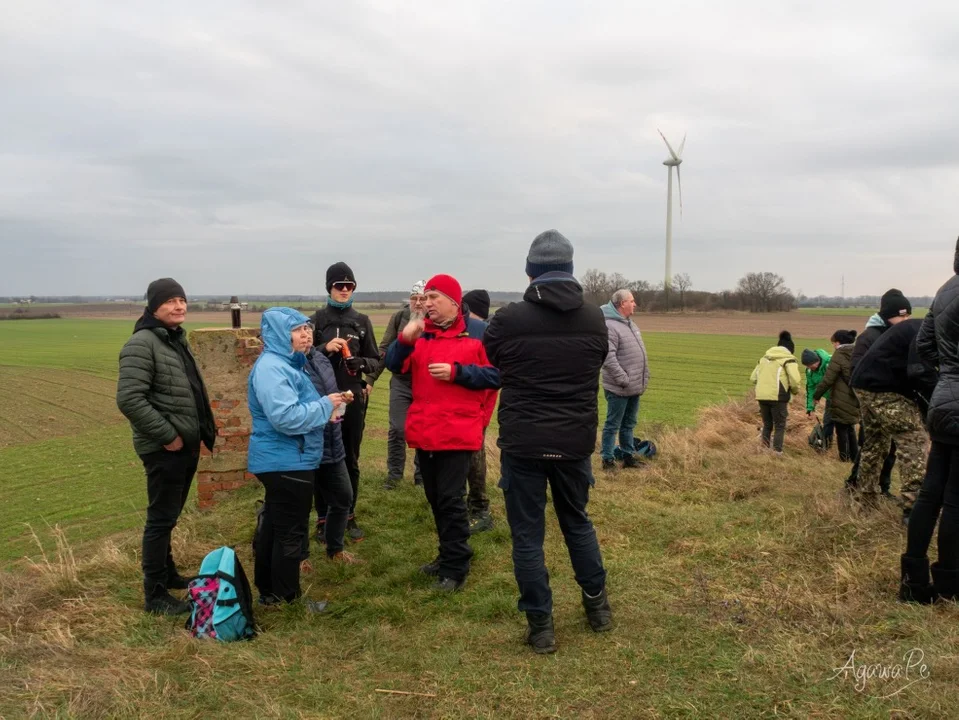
843, 403
893, 365
865, 341
549, 349
938, 345
356, 328
321, 374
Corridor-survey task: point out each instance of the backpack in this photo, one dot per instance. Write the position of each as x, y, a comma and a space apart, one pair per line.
817, 438
221, 605
644, 448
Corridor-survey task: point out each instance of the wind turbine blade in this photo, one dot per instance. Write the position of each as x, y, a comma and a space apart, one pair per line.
671, 151
681, 146
679, 179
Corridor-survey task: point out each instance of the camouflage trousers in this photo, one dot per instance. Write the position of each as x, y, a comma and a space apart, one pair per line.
887, 417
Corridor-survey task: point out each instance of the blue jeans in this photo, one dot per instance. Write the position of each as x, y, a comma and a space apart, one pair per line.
621, 413
524, 489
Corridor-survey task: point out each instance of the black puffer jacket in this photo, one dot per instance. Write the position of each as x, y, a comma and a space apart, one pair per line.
549, 349
892, 365
842, 402
357, 330
938, 345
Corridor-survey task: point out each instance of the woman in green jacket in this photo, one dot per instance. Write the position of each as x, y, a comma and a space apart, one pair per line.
776, 378
843, 405
817, 362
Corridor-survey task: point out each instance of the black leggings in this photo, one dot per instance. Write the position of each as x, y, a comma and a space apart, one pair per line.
940, 490
847, 442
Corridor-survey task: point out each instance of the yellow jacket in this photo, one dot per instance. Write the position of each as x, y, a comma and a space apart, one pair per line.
776, 377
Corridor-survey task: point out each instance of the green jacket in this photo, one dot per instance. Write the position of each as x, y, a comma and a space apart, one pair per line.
844, 404
154, 392
814, 377
776, 377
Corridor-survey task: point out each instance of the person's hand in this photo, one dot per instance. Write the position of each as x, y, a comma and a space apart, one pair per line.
412, 331
808, 413
177, 444
353, 364
337, 399
335, 345
367, 391
441, 371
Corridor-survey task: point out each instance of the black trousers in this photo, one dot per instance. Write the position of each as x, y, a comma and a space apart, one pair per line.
444, 481
282, 537
847, 441
169, 476
476, 501
354, 422
940, 491
774, 416
333, 483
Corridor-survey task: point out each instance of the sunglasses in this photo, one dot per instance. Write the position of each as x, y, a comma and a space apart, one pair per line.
343, 286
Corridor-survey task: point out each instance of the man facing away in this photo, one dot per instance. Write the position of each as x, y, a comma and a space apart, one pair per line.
549, 349
476, 309
161, 393
625, 376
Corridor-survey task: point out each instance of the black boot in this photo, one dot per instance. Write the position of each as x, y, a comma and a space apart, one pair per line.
160, 602
914, 585
539, 633
945, 582
631, 461
178, 582
598, 611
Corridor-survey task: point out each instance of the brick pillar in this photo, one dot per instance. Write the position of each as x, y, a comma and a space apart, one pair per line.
225, 356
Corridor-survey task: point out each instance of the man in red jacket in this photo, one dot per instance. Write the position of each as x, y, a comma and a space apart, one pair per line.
454, 392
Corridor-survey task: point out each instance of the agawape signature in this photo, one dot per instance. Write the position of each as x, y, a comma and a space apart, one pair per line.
911, 670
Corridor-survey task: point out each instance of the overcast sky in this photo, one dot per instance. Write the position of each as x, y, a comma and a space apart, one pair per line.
243, 147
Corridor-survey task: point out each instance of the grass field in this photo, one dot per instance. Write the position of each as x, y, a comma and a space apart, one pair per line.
854, 311
740, 583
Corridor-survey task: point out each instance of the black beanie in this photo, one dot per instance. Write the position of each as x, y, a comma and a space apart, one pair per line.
894, 304
477, 302
162, 290
809, 357
339, 272
786, 341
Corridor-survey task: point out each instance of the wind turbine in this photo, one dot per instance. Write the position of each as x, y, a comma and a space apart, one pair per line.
674, 160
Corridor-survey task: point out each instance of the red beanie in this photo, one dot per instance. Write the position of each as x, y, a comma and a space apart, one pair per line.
447, 285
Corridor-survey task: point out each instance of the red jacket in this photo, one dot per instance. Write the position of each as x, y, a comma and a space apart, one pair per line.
446, 415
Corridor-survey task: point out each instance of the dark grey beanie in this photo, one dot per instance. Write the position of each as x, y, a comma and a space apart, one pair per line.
550, 252
809, 357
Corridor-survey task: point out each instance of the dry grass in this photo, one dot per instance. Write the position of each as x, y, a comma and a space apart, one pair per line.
740, 581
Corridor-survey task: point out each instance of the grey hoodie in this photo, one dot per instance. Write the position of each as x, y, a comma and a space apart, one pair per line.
626, 371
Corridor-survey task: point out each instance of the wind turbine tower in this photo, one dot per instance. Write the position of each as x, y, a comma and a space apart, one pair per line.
674, 160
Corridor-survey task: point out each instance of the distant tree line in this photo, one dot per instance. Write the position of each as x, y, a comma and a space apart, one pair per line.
755, 292
858, 301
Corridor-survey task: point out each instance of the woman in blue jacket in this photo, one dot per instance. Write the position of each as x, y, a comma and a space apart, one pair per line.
285, 449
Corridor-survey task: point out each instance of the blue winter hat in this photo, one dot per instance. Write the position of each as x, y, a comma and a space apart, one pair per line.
550, 252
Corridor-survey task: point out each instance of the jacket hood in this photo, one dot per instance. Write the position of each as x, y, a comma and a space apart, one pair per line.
557, 290
611, 313
779, 353
876, 321
275, 328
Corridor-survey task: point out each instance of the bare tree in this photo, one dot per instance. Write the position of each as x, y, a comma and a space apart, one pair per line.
642, 293
682, 282
765, 292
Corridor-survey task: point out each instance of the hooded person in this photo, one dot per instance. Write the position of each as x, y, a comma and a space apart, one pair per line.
286, 447
776, 378
454, 392
550, 349
346, 337
936, 346
401, 393
160, 390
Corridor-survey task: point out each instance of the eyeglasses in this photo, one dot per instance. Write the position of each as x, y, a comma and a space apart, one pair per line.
343, 286
417, 298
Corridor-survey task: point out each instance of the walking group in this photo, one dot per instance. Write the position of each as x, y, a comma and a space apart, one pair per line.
308, 392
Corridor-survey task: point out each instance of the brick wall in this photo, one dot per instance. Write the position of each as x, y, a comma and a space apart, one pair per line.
225, 356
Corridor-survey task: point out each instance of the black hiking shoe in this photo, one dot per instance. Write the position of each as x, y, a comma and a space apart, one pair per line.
448, 585
630, 461
945, 582
431, 569
166, 604
392, 483
320, 534
914, 585
481, 522
418, 481
539, 633
178, 582
353, 531
598, 612
609, 464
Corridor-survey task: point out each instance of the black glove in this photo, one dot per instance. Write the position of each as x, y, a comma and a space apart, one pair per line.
354, 364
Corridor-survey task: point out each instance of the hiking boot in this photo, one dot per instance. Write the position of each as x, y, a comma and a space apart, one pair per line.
353, 531
914, 585
608, 465
315, 606
539, 633
598, 612
346, 558
449, 585
630, 461
269, 600
178, 582
481, 522
392, 483
945, 582
432, 569
165, 604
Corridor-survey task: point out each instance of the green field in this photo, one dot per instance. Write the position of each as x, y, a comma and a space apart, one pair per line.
854, 311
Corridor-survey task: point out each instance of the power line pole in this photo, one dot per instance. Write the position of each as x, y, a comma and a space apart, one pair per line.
843, 301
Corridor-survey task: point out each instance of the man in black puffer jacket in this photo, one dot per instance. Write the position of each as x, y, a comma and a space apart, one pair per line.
938, 345
549, 349
161, 393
